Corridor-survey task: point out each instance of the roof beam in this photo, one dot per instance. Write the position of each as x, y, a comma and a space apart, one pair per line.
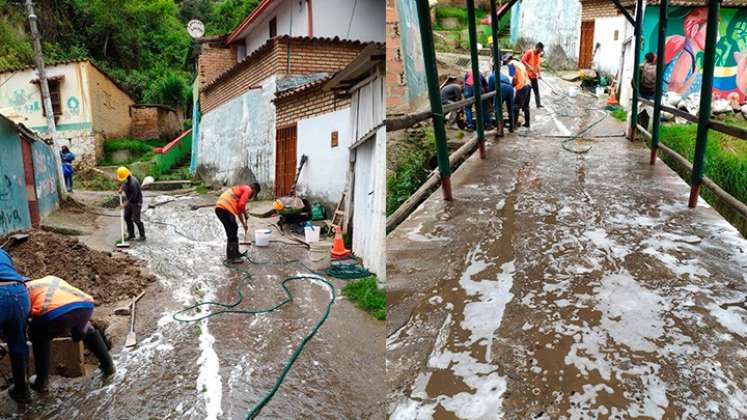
624, 12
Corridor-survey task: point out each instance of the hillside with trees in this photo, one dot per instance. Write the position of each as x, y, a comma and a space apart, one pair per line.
142, 43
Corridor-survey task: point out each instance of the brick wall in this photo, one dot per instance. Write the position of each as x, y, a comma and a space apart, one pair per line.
396, 93
314, 101
591, 10
306, 56
213, 61
149, 122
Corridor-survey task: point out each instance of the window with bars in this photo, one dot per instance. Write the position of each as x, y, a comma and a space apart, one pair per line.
55, 97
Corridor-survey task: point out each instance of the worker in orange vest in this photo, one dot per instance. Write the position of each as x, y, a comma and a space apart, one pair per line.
520, 80
531, 60
57, 310
232, 204
14, 311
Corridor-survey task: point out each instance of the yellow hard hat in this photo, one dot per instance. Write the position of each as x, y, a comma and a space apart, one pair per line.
122, 173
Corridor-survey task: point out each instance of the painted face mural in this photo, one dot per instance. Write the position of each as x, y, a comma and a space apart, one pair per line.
684, 53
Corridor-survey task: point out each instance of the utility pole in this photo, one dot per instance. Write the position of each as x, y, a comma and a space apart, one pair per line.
46, 99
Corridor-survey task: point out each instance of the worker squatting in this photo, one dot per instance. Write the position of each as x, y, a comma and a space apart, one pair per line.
55, 309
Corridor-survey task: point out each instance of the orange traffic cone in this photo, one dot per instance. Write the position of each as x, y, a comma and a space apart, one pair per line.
612, 101
338, 248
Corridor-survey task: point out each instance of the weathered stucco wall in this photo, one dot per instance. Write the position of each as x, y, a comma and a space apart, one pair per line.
45, 174
609, 53
323, 176
555, 23
237, 139
14, 212
361, 20
20, 97
110, 106
291, 20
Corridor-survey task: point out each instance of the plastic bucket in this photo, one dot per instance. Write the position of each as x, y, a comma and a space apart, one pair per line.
262, 237
572, 92
312, 233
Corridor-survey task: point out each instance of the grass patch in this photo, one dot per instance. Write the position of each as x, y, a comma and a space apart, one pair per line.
367, 296
177, 174
140, 150
411, 169
93, 181
725, 161
619, 114
201, 189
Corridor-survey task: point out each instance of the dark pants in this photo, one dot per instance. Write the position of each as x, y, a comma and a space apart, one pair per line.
536, 89
647, 95
521, 102
76, 323
468, 93
132, 218
14, 309
229, 223
507, 97
69, 181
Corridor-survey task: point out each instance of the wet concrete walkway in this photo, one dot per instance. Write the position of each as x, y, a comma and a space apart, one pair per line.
221, 367
563, 285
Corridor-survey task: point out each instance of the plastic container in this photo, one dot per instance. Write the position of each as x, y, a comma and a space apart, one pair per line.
572, 92
312, 233
262, 237
319, 257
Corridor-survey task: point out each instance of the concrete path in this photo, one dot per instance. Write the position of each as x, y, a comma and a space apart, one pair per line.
563, 285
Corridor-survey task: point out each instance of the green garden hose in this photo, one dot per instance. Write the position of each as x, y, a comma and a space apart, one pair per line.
347, 271
231, 308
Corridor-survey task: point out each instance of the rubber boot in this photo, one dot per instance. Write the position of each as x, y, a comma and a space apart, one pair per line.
40, 381
95, 343
20, 390
232, 253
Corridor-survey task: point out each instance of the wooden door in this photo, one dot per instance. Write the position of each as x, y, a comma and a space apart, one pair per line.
28, 170
587, 45
285, 159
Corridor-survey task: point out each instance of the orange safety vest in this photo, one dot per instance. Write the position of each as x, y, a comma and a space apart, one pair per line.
229, 200
520, 75
50, 292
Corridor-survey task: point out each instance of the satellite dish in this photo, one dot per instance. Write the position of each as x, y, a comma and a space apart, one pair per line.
195, 28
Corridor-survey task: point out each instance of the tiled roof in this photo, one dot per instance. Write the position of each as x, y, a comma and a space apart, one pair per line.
248, 60
63, 62
256, 12
303, 88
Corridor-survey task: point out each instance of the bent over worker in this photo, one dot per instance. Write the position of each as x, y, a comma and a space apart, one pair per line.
14, 310
232, 204
133, 204
58, 310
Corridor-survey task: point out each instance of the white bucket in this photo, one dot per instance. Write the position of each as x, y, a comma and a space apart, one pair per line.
262, 237
312, 233
572, 92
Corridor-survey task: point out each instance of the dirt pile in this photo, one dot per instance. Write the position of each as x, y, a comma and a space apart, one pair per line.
107, 277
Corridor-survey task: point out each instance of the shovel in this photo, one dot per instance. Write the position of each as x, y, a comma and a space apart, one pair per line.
14, 240
127, 310
131, 340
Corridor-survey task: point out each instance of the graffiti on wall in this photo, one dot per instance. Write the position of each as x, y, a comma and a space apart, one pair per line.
22, 101
411, 50
45, 174
11, 218
685, 46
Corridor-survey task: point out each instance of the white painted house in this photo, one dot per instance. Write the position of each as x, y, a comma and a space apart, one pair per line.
552, 22
343, 19
604, 33
282, 47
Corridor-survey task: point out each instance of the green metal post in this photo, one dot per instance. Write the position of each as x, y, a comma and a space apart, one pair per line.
476, 86
636, 65
496, 68
434, 94
660, 45
706, 91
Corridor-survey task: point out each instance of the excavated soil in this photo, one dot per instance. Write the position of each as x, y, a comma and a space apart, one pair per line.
108, 277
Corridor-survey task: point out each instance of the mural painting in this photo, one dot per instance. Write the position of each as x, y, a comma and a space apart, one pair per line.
412, 54
685, 45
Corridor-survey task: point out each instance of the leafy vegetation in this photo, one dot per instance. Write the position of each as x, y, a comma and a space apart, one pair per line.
367, 296
620, 114
141, 43
725, 159
410, 170
140, 150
